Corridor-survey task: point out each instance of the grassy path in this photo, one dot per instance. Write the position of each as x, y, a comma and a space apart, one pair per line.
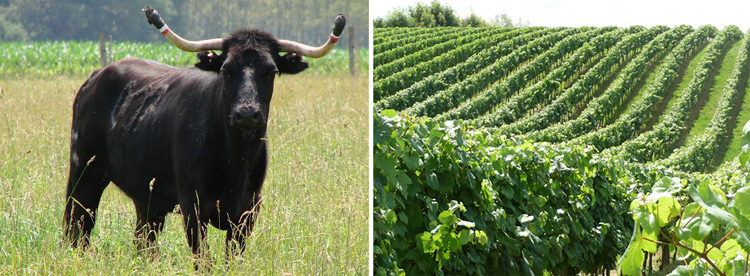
735, 141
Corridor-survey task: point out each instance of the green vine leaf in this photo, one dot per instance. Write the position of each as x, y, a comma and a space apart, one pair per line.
707, 197
631, 261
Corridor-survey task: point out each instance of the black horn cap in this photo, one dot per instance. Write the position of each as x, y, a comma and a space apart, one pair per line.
153, 18
338, 25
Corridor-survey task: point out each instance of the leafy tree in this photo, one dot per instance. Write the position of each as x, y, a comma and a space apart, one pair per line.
444, 15
502, 20
438, 15
425, 16
378, 23
82, 20
11, 30
426, 19
434, 15
399, 19
474, 20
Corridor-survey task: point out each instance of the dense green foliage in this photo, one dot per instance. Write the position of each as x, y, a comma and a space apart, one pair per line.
536, 69
467, 182
427, 38
415, 84
71, 58
627, 125
462, 201
459, 92
454, 199
707, 222
401, 58
561, 108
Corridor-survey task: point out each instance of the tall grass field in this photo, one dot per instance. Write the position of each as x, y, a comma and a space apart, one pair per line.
313, 221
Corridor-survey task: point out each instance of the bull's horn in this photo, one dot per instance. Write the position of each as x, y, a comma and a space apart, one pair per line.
153, 18
309, 51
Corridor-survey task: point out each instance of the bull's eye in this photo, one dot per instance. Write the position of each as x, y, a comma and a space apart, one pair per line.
224, 73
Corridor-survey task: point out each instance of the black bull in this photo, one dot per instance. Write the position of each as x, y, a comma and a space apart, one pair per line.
192, 137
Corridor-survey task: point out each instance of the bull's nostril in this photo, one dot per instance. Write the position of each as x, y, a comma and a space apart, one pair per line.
237, 117
256, 117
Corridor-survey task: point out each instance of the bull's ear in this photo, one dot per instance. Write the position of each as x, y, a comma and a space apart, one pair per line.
210, 61
291, 63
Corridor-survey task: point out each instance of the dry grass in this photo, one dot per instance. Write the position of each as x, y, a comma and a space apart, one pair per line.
314, 215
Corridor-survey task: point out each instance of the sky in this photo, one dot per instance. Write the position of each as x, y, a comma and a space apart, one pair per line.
576, 13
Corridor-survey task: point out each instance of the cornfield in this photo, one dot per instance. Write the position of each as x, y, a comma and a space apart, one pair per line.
75, 58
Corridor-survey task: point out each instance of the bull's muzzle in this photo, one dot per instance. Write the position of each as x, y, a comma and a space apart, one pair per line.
247, 118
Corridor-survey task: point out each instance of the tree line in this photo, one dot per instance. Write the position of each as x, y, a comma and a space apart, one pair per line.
304, 21
437, 15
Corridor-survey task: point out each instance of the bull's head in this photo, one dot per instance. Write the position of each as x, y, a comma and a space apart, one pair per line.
248, 64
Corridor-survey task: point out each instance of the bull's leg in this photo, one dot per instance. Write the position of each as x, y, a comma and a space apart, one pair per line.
86, 184
195, 231
241, 228
147, 228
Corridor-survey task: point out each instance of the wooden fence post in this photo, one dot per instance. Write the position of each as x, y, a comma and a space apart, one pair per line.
353, 66
102, 50
111, 55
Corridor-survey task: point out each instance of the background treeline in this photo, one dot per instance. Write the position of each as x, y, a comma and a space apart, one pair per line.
437, 15
304, 21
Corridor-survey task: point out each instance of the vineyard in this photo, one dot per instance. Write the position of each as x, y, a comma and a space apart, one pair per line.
561, 150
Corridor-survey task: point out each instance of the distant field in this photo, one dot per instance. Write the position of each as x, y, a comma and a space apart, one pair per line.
73, 58
313, 219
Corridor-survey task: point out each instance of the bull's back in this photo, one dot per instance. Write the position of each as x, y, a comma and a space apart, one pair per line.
122, 115
106, 86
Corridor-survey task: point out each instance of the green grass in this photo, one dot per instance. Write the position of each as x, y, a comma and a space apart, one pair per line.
314, 218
